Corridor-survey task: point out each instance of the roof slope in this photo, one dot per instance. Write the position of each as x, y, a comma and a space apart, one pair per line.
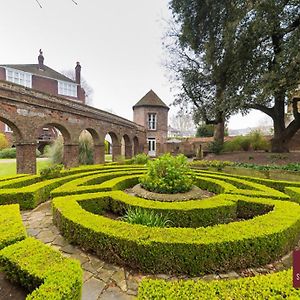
46, 72
151, 99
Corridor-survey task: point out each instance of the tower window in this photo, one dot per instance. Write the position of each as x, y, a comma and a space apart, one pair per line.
152, 121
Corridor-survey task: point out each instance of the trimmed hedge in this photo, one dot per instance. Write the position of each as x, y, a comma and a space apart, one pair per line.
11, 226
191, 213
30, 196
245, 187
294, 193
42, 270
96, 182
272, 286
181, 250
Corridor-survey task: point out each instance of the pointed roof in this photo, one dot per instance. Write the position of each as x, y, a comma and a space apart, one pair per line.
151, 99
45, 72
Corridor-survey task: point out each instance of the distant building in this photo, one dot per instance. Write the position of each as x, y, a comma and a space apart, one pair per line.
42, 78
152, 113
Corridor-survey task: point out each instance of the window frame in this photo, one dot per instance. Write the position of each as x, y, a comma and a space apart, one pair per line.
152, 121
18, 77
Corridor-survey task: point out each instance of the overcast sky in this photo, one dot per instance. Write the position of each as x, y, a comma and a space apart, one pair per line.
118, 43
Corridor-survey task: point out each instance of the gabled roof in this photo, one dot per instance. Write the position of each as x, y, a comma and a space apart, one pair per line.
46, 72
151, 99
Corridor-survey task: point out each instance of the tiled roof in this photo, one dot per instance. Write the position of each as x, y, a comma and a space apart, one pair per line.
151, 99
46, 72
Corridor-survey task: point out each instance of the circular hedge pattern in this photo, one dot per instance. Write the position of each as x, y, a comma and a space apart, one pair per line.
205, 239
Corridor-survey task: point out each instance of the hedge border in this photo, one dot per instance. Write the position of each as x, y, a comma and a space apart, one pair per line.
235, 245
261, 287
43, 270
11, 226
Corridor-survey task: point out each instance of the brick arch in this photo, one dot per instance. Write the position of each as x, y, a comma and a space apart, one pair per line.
15, 128
115, 144
29, 109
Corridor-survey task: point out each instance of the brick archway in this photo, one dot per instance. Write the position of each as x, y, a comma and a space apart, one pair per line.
25, 110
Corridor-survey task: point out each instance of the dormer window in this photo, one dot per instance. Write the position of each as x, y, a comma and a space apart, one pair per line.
152, 121
67, 89
19, 77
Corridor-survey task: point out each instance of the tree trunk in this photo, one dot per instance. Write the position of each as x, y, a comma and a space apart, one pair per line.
219, 132
279, 144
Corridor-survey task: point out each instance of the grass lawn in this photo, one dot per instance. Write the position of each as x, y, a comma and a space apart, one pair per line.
8, 167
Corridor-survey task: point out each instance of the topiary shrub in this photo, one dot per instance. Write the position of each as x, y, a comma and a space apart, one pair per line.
168, 174
145, 217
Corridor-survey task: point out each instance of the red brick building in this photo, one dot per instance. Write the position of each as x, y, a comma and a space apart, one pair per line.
42, 78
152, 113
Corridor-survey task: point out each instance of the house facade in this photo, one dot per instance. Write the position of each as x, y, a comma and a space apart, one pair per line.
152, 113
42, 78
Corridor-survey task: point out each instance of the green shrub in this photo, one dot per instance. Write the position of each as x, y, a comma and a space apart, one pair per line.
215, 147
168, 174
56, 152
140, 159
43, 270
145, 217
258, 141
271, 286
11, 226
217, 164
205, 130
47, 151
8, 153
237, 144
3, 141
50, 172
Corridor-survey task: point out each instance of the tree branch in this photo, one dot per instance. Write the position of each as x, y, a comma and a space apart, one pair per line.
267, 110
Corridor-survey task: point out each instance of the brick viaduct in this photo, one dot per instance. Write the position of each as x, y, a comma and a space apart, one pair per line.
25, 111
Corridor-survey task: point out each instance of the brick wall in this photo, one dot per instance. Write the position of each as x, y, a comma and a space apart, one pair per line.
2, 74
46, 85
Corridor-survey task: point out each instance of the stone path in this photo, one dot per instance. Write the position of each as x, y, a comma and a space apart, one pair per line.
107, 281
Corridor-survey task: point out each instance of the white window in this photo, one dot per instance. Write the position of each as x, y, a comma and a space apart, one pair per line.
7, 128
152, 121
19, 77
67, 89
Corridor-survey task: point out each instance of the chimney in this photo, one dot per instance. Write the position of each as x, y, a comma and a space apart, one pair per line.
41, 60
77, 73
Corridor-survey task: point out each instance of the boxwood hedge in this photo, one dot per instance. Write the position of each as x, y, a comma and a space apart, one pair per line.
42, 270
222, 247
272, 286
11, 226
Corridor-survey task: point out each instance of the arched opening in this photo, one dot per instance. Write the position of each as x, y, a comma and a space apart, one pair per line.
86, 148
51, 139
113, 147
98, 148
135, 146
13, 146
126, 147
